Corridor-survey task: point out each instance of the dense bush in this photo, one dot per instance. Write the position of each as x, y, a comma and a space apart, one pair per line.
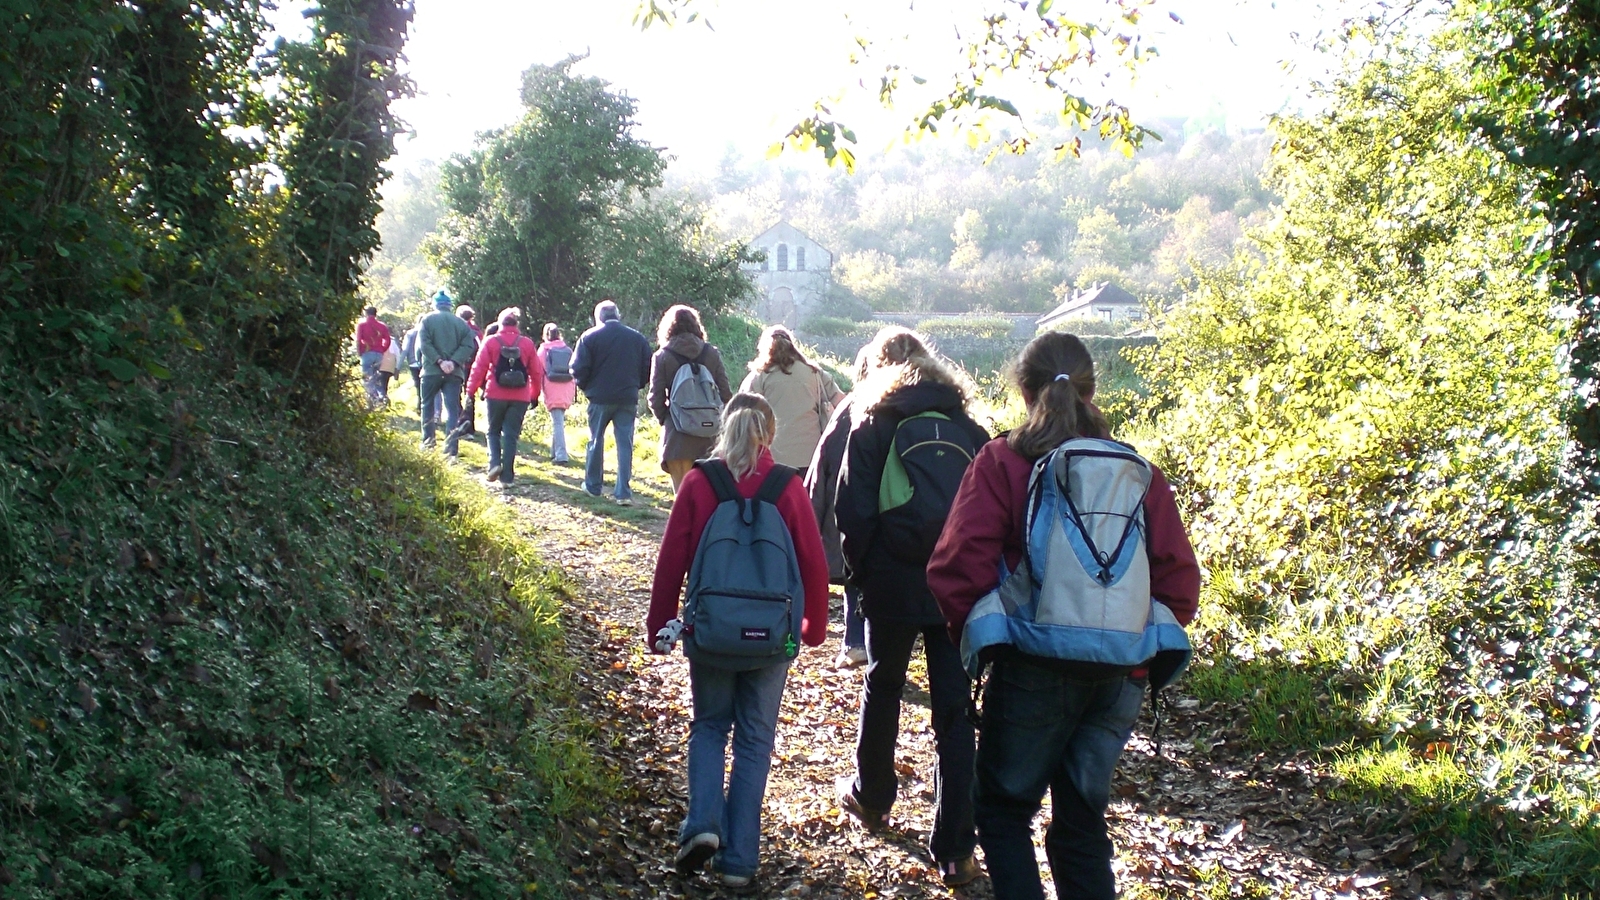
1362, 413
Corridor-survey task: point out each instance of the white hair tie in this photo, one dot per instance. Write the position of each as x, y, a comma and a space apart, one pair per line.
1063, 377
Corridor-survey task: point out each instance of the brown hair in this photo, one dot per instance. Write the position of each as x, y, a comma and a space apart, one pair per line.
552, 331
1056, 375
679, 319
748, 426
898, 357
777, 350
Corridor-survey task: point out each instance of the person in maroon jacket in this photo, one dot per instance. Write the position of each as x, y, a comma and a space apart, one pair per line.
1048, 724
729, 820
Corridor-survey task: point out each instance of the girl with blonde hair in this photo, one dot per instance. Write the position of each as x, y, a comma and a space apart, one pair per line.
725, 821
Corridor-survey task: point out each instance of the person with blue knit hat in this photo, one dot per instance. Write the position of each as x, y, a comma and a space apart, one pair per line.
447, 346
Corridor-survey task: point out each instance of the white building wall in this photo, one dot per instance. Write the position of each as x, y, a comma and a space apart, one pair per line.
794, 278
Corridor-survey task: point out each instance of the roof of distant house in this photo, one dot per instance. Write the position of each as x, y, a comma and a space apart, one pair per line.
1083, 303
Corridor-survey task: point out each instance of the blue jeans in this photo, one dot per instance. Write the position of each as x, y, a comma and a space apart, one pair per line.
855, 624
1048, 729
889, 646
621, 417
505, 430
447, 389
746, 703
370, 361
558, 435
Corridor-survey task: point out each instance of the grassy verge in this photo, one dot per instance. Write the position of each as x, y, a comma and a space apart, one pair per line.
274, 661
1488, 810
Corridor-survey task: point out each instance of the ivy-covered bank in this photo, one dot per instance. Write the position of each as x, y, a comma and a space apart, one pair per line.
323, 665
248, 647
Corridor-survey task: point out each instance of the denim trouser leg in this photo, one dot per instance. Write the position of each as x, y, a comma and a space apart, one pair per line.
369, 374
510, 433
855, 626
889, 646
558, 435
497, 420
747, 704
1043, 729
428, 394
950, 691
450, 393
623, 418
594, 460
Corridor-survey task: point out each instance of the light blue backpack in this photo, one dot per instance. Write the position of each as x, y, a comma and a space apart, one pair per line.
1082, 592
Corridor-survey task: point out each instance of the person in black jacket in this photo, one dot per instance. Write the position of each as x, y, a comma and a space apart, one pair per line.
887, 562
611, 365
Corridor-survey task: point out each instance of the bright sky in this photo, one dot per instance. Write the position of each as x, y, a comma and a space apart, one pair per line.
758, 72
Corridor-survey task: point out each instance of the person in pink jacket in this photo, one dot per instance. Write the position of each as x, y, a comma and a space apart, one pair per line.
559, 390
509, 372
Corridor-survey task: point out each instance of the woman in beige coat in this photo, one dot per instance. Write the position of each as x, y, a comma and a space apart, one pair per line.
800, 393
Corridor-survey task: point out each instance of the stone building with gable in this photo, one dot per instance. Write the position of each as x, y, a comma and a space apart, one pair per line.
793, 279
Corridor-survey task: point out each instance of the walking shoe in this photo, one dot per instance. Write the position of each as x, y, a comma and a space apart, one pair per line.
958, 872
494, 472
624, 501
870, 819
694, 853
850, 658
739, 883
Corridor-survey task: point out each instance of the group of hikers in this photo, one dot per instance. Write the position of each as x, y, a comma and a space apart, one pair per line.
1046, 567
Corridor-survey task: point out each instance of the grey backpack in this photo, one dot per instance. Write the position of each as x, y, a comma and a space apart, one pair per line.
694, 401
745, 599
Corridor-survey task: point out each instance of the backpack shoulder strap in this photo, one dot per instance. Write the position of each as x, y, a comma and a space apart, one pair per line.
773, 486
722, 483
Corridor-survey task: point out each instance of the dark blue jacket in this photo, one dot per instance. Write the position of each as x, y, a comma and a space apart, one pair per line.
612, 363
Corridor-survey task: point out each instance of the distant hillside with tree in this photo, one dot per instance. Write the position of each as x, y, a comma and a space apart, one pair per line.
932, 228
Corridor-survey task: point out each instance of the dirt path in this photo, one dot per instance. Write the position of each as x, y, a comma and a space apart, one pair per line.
1203, 820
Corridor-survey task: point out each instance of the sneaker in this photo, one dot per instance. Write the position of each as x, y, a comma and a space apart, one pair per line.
494, 472
624, 501
850, 658
958, 872
695, 852
870, 819
494, 486
736, 882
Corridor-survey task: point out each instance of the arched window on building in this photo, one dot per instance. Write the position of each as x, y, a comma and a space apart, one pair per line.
783, 257
799, 259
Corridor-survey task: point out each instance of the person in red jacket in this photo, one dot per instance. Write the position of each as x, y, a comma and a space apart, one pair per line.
726, 823
1046, 723
508, 405
372, 339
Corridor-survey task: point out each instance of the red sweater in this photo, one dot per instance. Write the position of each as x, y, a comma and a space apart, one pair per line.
371, 336
986, 522
489, 354
692, 510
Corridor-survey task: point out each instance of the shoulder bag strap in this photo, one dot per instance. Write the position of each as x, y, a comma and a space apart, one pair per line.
772, 487
722, 483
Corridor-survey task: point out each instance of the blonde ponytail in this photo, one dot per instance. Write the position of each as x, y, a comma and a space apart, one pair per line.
748, 427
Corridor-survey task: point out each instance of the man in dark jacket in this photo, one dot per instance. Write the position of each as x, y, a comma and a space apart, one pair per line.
892, 578
611, 365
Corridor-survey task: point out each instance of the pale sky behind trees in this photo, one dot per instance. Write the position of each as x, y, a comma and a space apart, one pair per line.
744, 82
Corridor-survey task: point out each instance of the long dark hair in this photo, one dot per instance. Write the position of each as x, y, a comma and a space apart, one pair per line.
1056, 372
677, 320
